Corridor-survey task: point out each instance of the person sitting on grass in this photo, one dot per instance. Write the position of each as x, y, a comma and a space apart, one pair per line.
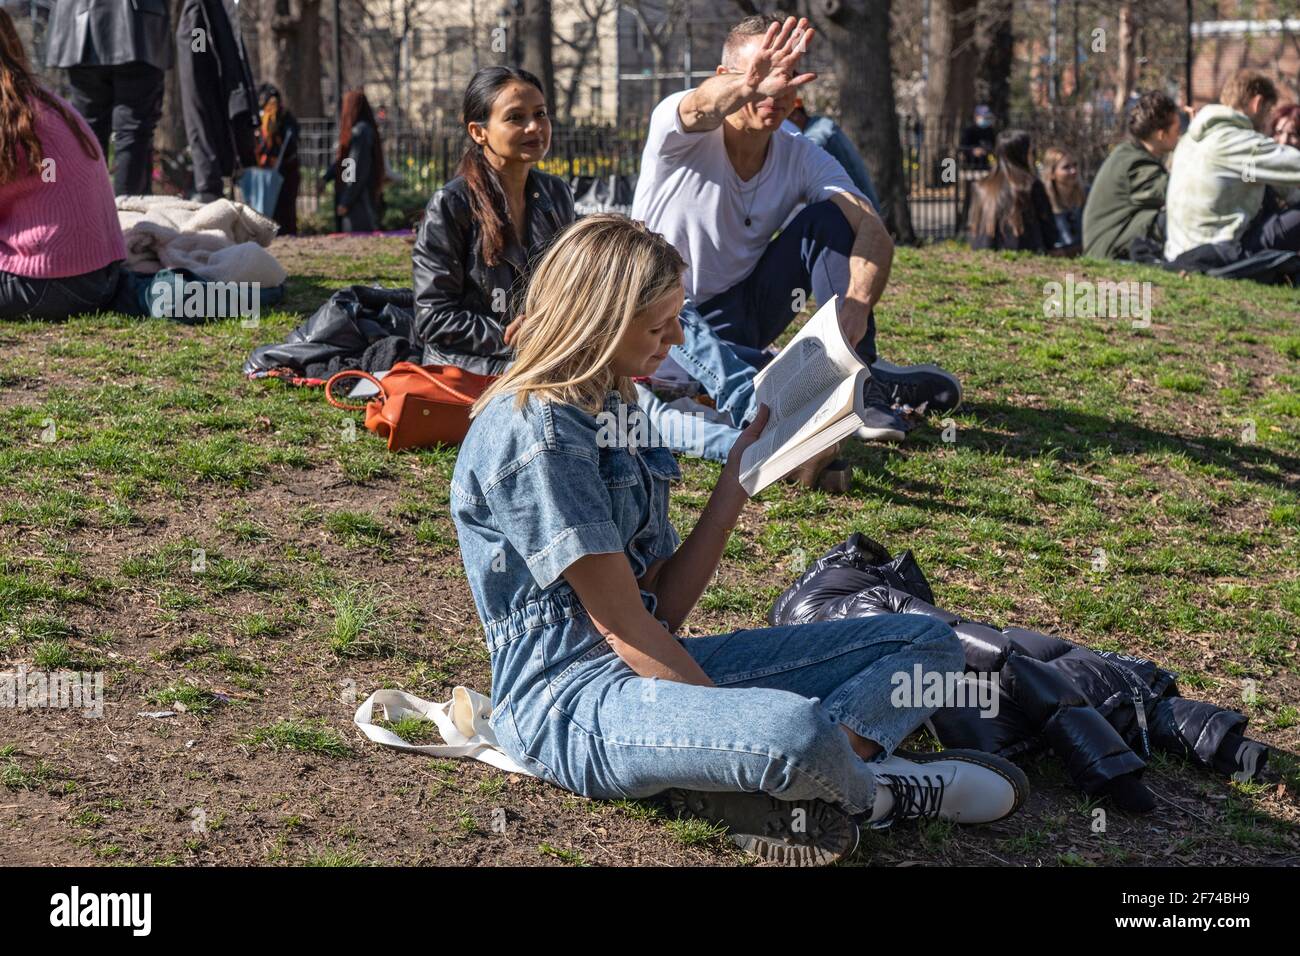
718, 179
787, 735
483, 231
1221, 168
61, 249
1285, 130
1067, 194
1010, 209
485, 227
1127, 199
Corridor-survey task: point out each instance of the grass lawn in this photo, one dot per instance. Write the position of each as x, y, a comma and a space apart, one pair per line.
245, 552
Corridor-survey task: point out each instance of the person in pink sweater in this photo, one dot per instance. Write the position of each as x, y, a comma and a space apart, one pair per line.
61, 248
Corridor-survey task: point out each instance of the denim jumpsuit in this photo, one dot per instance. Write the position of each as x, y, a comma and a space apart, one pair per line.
535, 489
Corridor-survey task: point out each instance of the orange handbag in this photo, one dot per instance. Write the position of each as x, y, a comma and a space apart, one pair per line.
418, 405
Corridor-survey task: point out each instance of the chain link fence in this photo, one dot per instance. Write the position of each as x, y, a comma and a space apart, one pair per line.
939, 180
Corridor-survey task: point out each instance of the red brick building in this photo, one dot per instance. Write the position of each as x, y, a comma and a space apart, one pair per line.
1223, 46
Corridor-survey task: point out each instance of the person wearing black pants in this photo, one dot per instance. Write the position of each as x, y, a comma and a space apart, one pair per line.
218, 96
116, 53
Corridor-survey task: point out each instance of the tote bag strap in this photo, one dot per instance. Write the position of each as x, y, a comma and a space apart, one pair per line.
284, 144
462, 722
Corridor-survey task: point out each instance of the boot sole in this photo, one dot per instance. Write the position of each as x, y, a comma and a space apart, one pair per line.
832, 834
999, 765
888, 367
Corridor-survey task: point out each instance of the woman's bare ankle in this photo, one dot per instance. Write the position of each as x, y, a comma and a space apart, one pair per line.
864, 748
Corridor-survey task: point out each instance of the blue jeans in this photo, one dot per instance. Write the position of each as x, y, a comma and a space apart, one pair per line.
811, 255
685, 433
729, 380
725, 336
771, 724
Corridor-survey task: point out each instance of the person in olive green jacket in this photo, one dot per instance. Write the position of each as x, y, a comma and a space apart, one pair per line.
1128, 195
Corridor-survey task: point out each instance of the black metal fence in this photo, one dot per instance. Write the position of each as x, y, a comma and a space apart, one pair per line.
937, 178
421, 158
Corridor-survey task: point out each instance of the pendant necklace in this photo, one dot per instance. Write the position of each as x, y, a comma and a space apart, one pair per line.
750, 206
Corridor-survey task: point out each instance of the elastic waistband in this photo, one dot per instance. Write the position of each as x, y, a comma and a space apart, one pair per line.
555, 608
563, 605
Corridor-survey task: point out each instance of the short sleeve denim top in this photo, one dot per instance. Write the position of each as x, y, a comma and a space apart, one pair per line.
535, 489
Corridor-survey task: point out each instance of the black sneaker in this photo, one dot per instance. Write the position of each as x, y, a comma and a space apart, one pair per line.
787, 832
925, 388
881, 421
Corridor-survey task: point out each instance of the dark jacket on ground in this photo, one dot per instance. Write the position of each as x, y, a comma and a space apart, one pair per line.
1100, 712
1125, 203
109, 33
458, 316
218, 97
1038, 232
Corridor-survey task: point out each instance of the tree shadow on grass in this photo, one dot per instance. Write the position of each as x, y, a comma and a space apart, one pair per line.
1072, 434
305, 295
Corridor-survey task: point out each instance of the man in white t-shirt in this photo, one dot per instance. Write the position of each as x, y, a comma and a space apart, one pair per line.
718, 179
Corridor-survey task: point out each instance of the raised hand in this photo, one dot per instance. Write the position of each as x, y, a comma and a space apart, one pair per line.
772, 70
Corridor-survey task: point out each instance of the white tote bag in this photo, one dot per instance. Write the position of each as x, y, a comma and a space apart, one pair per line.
462, 721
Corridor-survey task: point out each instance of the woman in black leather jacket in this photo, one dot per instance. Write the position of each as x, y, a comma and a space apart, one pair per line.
482, 230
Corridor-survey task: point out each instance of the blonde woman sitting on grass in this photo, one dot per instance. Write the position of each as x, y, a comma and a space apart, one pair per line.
786, 735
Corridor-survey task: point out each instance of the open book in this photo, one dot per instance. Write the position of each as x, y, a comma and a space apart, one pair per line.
814, 391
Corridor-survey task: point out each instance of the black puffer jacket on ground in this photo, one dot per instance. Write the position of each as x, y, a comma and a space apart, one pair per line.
359, 327
1097, 710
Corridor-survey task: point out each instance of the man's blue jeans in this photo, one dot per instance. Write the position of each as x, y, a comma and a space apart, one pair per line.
809, 259
726, 334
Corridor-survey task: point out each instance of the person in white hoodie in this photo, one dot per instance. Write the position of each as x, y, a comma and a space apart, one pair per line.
1220, 169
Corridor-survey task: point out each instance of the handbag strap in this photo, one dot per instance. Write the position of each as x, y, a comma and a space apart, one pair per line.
357, 373
350, 373
467, 399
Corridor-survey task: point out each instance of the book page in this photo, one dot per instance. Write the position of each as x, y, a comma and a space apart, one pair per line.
788, 444
815, 362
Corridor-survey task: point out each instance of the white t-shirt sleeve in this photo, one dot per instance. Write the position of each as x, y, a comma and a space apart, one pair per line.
823, 174
667, 137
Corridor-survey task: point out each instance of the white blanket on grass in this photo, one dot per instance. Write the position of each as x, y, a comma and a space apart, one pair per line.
224, 241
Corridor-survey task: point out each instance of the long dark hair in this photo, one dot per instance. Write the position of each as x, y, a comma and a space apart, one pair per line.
356, 109
18, 91
1002, 198
487, 198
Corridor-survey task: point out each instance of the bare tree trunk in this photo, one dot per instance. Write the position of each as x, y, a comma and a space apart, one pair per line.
660, 37
1128, 30
583, 47
858, 35
536, 27
950, 90
289, 38
997, 53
